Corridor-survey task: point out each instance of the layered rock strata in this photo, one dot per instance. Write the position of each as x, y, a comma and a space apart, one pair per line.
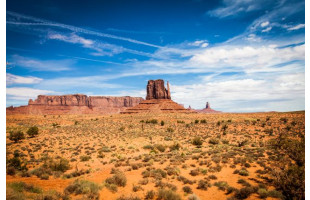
76, 104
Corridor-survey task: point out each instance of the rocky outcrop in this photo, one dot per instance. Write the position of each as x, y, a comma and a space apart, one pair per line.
208, 109
158, 100
156, 90
76, 104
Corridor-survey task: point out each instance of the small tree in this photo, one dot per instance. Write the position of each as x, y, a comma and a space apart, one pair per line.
33, 131
16, 136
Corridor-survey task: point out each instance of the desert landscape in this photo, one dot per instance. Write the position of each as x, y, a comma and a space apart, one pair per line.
152, 152
154, 100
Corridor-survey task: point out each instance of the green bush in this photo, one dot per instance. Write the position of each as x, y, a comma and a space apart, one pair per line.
33, 131
16, 136
118, 179
87, 188
164, 194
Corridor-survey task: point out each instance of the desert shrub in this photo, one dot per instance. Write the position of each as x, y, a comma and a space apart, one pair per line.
194, 172
149, 195
175, 147
137, 188
244, 193
243, 182
224, 127
213, 177
170, 130
193, 197
128, 198
160, 147
122, 128
187, 189
203, 121
275, 194
152, 121
154, 173
59, 164
111, 187
196, 121
291, 180
87, 188
243, 172
44, 177
21, 187
118, 179
172, 171
148, 146
222, 185
33, 131
164, 194
162, 123
85, 158
144, 181
197, 141
203, 185
16, 136
263, 193
283, 119
214, 141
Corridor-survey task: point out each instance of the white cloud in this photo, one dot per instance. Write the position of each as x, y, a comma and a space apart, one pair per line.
267, 29
245, 94
25, 93
42, 65
15, 79
299, 26
264, 24
247, 57
200, 43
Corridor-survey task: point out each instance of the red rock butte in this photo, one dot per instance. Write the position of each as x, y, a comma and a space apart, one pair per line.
76, 104
208, 109
158, 100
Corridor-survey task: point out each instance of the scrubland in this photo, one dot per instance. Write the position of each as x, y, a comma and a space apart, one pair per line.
163, 156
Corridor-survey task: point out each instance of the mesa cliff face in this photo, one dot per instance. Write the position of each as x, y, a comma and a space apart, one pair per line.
76, 104
156, 90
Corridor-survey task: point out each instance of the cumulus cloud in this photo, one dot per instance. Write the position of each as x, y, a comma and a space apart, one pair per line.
245, 94
15, 79
25, 93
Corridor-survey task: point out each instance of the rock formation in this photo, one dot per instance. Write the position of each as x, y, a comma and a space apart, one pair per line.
156, 90
208, 109
158, 100
76, 104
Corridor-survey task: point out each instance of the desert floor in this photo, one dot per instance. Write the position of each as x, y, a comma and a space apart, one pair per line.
145, 156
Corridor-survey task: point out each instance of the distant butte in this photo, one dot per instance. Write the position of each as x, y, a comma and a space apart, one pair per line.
158, 100
208, 109
75, 104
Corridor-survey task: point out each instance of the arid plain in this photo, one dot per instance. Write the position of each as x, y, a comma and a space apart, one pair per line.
162, 156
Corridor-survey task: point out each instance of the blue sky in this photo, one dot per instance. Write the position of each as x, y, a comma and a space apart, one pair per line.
239, 55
